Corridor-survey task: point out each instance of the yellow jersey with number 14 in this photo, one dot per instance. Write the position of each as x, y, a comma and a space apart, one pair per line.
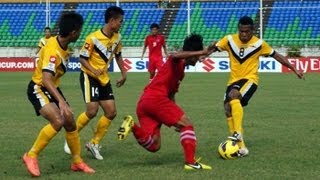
244, 58
99, 51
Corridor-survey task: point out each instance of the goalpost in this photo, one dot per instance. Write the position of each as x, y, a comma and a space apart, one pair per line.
48, 19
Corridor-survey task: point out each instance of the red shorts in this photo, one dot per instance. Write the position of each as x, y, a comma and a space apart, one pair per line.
152, 112
154, 63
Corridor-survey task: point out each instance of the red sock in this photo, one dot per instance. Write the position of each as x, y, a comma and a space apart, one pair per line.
189, 142
145, 140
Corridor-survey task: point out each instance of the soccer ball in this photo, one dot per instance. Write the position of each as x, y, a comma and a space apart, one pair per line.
228, 149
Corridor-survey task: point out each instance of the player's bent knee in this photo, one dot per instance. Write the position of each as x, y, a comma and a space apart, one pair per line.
234, 94
57, 125
92, 113
184, 122
111, 115
154, 148
70, 125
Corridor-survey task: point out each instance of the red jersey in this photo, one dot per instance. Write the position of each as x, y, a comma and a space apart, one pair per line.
155, 44
167, 80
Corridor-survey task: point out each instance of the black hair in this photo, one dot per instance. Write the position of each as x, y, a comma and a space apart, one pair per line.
154, 25
193, 42
70, 22
47, 28
113, 12
245, 20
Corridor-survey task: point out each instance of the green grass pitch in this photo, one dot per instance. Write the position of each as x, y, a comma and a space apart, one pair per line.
281, 131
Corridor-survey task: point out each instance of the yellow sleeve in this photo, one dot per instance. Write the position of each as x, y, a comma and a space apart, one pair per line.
87, 48
222, 45
50, 61
266, 50
41, 43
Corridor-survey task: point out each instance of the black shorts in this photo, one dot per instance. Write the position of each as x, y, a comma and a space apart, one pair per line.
93, 91
39, 96
245, 87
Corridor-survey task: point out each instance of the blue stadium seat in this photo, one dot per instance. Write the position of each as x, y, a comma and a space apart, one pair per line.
296, 22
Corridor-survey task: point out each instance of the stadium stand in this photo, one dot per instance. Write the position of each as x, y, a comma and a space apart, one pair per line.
22, 24
138, 17
212, 20
291, 21
285, 22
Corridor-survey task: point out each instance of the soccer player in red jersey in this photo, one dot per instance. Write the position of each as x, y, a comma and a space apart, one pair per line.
155, 42
157, 105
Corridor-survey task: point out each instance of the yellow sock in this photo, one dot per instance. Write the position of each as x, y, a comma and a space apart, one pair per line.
237, 114
73, 141
230, 125
82, 121
43, 139
102, 128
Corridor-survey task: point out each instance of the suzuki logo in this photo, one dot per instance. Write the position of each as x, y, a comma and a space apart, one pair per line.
127, 64
208, 65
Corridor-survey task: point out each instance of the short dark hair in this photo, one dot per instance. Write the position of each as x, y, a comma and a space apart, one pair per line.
47, 28
154, 25
70, 22
193, 42
112, 12
245, 20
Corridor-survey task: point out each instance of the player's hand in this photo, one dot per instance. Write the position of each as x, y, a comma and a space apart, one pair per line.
202, 58
121, 81
206, 53
212, 48
65, 109
97, 72
300, 75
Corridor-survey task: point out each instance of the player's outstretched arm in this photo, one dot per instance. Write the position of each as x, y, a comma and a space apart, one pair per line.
123, 77
212, 48
37, 50
143, 51
283, 60
188, 54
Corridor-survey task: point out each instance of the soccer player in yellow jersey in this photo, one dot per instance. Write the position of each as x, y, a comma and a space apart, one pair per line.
244, 50
48, 101
95, 56
43, 41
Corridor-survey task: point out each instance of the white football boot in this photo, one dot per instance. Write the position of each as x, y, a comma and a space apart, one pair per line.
95, 150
